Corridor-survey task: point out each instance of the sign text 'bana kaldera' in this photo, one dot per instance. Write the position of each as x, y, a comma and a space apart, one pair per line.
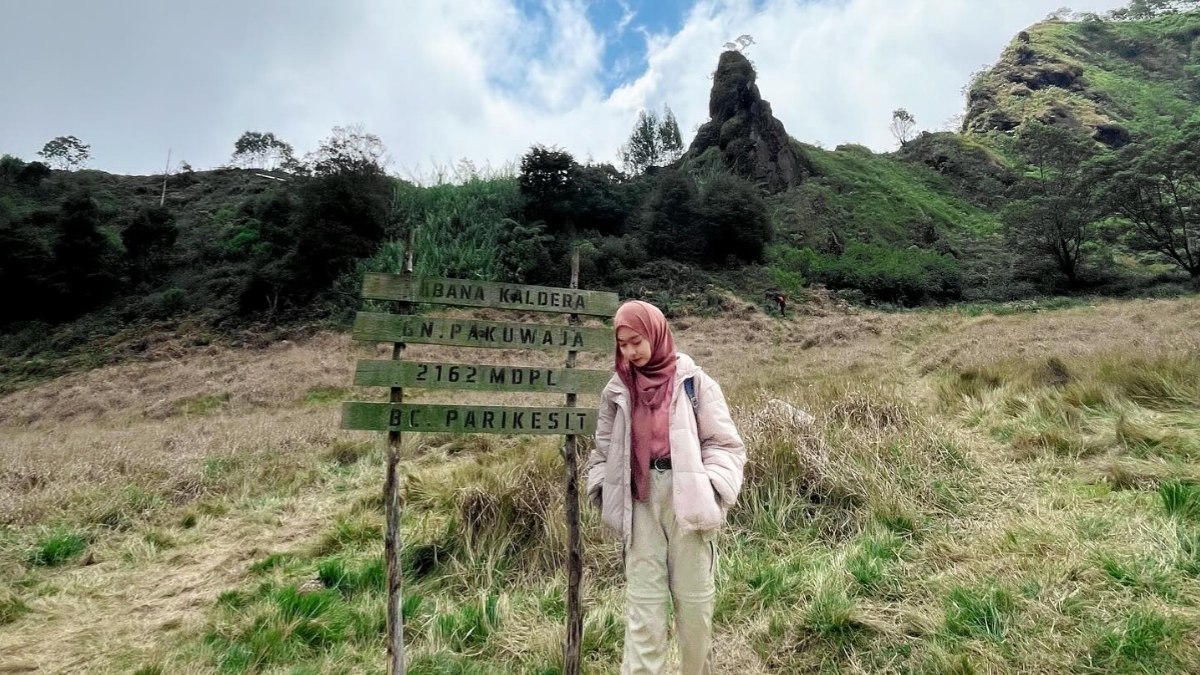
467, 293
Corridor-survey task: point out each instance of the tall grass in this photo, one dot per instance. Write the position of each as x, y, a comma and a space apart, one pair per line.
1119, 404
457, 226
924, 519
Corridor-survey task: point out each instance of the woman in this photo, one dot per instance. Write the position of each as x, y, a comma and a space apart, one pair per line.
666, 467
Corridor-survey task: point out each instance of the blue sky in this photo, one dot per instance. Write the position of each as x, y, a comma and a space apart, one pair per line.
626, 28
444, 80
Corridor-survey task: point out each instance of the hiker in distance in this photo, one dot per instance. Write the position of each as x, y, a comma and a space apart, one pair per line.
665, 469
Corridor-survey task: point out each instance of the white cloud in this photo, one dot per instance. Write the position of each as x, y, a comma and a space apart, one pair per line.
834, 71
627, 16
488, 86
441, 80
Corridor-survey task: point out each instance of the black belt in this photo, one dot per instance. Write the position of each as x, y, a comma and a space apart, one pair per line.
661, 463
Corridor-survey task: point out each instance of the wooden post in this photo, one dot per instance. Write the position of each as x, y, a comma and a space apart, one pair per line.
391, 494
574, 639
166, 172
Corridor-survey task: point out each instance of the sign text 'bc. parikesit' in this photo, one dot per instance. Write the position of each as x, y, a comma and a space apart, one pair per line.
480, 419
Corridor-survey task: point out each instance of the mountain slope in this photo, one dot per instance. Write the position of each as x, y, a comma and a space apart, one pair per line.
1113, 78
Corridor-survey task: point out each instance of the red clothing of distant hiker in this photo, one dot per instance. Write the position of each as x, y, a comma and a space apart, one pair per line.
651, 385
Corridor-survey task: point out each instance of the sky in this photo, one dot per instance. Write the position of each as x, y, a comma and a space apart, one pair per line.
440, 81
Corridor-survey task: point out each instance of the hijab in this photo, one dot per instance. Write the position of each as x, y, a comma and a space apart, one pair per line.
651, 388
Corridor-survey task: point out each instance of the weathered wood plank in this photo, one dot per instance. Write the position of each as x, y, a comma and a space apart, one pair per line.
383, 327
478, 377
467, 293
472, 419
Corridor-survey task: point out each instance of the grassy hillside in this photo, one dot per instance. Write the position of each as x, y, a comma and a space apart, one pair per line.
1005, 489
1115, 78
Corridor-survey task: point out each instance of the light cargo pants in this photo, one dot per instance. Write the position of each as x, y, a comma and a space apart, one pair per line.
664, 563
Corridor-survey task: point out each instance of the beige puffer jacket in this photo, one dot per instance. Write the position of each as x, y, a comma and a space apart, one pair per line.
706, 458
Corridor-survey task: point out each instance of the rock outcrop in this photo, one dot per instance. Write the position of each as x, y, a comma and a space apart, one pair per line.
747, 137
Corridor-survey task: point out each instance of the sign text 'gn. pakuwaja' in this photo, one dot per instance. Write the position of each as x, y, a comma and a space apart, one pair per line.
382, 327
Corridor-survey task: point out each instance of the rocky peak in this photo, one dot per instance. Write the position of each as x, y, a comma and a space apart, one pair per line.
742, 131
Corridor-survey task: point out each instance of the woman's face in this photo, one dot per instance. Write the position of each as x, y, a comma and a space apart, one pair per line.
635, 348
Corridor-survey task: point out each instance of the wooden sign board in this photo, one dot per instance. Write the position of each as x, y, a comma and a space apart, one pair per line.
467, 419
466, 293
383, 327
475, 377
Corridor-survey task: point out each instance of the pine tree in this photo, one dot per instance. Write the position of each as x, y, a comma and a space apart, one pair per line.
654, 141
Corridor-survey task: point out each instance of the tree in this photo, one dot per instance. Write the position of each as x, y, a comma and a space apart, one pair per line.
25, 262
735, 220
654, 141
342, 218
257, 150
547, 183
349, 149
672, 228
1155, 185
1052, 214
902, 125
670, 141
642, 148
83, 258
149, 236
66, 152
10, 168
524, 251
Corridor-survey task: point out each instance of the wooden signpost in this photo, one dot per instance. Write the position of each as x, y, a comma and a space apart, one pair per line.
396, 416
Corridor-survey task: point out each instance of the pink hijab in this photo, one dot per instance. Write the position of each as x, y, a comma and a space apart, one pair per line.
651, 386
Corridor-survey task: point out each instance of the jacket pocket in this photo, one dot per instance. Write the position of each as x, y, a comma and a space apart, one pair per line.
696, 506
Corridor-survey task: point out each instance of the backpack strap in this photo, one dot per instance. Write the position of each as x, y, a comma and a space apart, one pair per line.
689, 386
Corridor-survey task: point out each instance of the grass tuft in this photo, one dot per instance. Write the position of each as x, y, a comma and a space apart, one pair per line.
349, 534
57, 547
1142, 643
336, 574
872, 563
979, 612
345, 453
325, 395
468, 628
1181, 499
1139, 575
291, 626
201, 404
11, 606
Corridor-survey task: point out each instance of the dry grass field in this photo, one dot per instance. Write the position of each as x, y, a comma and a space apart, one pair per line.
984, 490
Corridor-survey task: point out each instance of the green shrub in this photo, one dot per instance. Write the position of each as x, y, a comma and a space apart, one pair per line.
905, 277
